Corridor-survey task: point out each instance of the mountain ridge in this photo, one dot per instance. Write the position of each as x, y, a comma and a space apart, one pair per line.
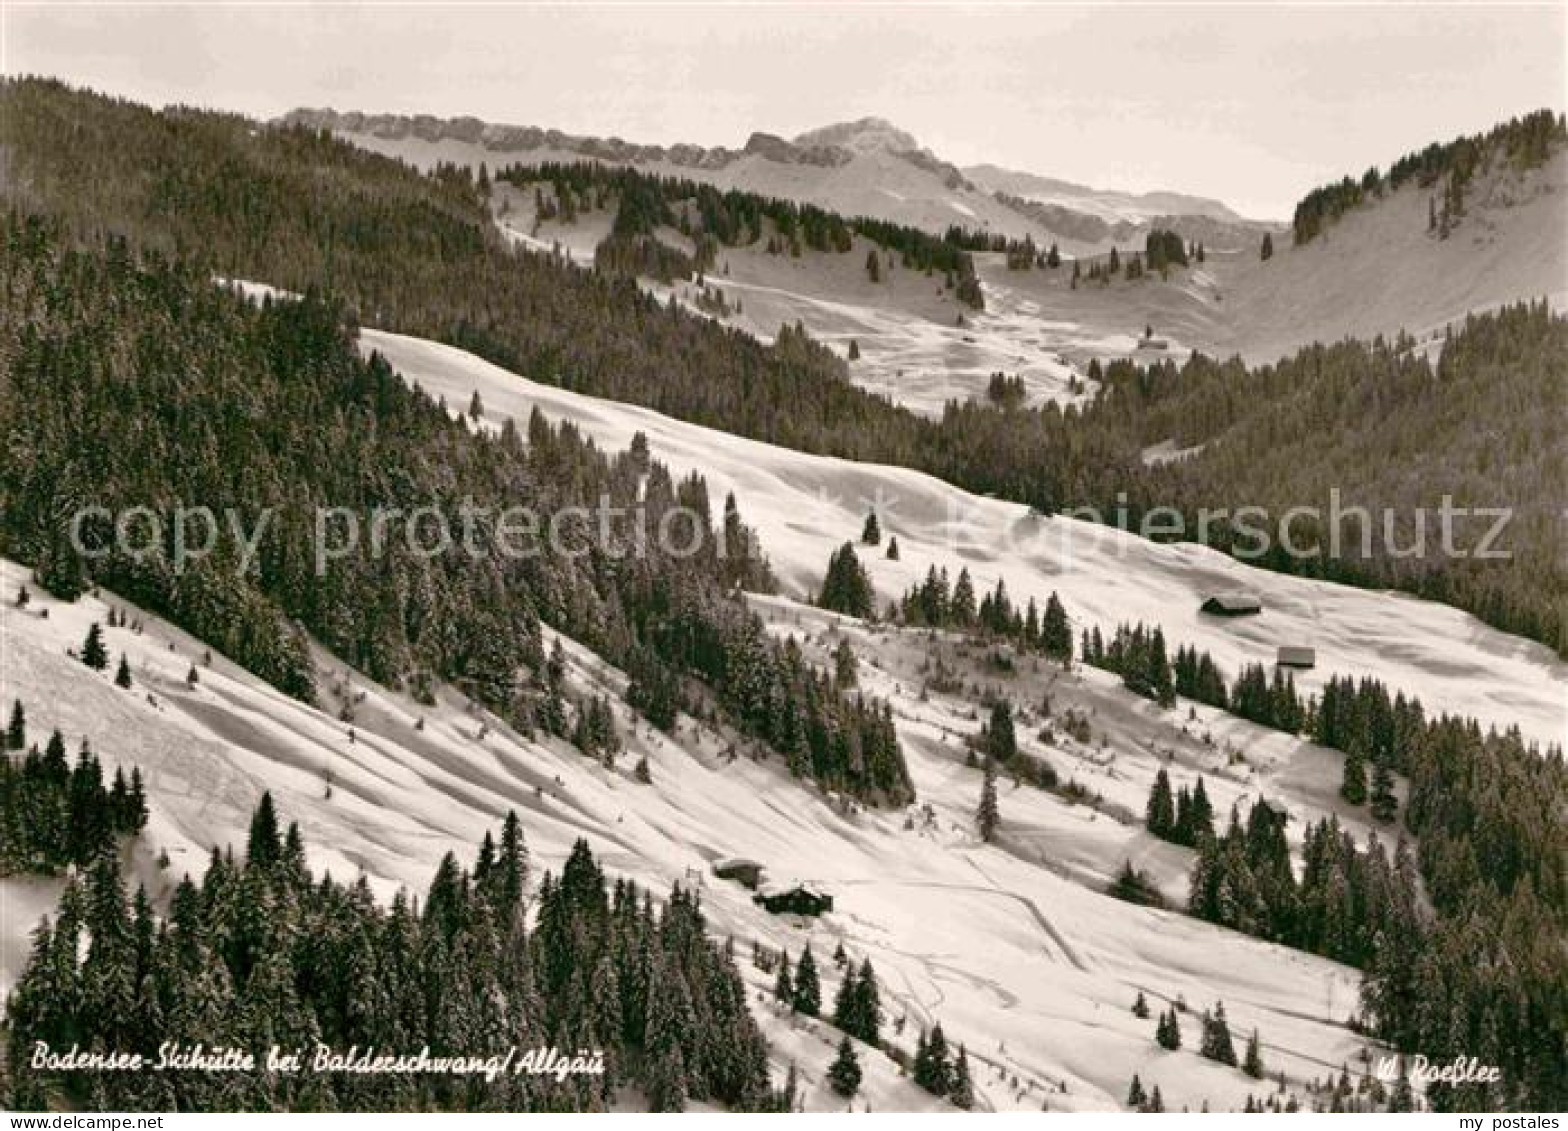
1034, 186
864, 166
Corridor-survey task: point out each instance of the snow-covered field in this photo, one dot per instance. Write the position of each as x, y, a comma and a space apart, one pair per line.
913, 348
806, 506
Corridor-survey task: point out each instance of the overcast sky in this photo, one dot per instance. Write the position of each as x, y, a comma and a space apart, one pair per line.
1250, 104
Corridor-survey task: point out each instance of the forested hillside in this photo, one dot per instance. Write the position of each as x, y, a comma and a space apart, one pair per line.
417, 254
147, 385
1393, 434
1444, 168
258, 954
714, 219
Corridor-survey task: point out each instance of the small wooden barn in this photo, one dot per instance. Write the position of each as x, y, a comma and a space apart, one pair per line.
745, 872
1231, 604
794, 899
1296, 656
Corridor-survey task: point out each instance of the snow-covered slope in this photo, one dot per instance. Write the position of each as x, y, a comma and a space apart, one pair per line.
1376, 270
917, 344
805, 506
1011, 946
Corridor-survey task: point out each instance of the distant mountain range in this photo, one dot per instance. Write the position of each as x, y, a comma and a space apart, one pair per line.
1109, 204
865, 167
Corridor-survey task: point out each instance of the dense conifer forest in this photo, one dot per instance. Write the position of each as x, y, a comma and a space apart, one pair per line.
1461, 938
259, 952
716, 218
418, 254
144, 384
1445, 167
56, 814
1375, 435
936, 604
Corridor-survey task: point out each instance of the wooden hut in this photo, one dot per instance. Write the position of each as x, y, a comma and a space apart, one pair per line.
745, 872
1231, 605
794, 899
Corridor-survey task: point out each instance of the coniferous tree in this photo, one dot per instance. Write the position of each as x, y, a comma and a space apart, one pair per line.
1216, 1037
892, 549
1136, 1097
846, 668
1353, 788
963, 601
1252, 1062
1160, 813
1385, 803
1443, 810
264, 845
122, 674
1401, 1097
808, 989
436, 293
858, 1007
963, 1090
987, 816
94, 654
16, 729
1200, 816
844, 1074
1140, 1007
1267, 251
1133, 886
932, 1070
871, 533
783, 985
1167, 1031
1000, 738
1056, 634
847, 587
